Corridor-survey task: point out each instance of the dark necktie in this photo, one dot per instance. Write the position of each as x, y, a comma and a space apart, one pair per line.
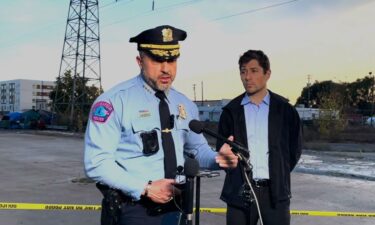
170, 162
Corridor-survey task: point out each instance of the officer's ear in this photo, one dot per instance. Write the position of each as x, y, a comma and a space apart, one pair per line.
139, 61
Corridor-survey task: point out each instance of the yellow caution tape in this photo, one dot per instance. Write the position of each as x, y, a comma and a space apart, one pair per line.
40, 206
304, 213
332, 214
36, 206
213, 210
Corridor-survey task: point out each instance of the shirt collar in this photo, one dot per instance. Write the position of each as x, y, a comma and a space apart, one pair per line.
246, 99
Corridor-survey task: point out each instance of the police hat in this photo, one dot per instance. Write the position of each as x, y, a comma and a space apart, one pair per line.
160, 43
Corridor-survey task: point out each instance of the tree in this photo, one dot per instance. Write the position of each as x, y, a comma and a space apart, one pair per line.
359, 95
62, 100
331, 120
312, 96
355, 97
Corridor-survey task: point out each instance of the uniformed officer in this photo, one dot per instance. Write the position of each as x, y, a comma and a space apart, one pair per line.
127, 146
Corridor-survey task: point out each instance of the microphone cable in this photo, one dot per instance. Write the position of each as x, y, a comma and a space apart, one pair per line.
175, 201
255, 197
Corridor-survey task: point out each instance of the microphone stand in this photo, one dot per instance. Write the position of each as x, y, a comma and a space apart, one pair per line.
189, 214
246, 168
197, 199
191, 170
243, 155
208, 174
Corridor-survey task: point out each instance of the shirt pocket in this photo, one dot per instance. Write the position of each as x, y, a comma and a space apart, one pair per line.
182, 130
182, 125
144, 125
132, 138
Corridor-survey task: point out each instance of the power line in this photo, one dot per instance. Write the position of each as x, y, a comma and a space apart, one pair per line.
196, 1
115, 2
148, 12
179, 5
37, 32
14, 41
255, 10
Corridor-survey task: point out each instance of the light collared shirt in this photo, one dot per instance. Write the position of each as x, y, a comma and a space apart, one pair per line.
256, 117
113, 141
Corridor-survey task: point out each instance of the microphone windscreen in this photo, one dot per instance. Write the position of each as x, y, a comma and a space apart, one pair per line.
196, 126
180, 169
191, 167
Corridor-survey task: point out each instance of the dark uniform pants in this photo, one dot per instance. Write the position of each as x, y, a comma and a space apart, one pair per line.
136, 214
278, 215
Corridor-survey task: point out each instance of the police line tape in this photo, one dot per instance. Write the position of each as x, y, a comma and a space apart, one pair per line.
69, 207
40, 206
304, 213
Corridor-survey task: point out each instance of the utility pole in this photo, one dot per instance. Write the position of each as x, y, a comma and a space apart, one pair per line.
80, 56
372, 98
195, 96
202, 93
308, 90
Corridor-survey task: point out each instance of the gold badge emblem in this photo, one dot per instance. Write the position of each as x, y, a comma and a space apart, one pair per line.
181, 111
167, 34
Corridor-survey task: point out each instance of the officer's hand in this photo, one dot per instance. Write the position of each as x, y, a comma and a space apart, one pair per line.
226, 158
162, 191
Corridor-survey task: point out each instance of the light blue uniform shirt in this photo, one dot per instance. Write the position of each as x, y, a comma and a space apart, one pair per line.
256, 117
113, 145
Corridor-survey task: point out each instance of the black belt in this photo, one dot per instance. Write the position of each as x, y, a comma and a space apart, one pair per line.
104, 189
152, 207
261, 183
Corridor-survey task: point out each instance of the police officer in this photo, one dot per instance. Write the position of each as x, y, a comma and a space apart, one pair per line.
128, 145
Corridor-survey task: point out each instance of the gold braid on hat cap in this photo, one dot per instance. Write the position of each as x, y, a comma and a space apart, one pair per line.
163, 53
154, 46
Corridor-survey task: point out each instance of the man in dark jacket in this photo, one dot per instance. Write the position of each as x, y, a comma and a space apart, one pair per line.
270, 128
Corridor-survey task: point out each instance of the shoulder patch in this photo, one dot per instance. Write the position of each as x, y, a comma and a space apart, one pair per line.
101, 111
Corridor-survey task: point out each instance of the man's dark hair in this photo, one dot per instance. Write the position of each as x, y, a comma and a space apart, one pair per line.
257, 55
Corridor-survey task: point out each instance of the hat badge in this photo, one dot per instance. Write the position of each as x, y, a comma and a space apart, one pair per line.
167, 34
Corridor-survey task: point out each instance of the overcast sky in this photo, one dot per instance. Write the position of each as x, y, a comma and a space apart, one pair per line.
330, 40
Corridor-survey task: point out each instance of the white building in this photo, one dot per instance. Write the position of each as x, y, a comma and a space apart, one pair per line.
19, 95
211, 110
308, 113
314, 114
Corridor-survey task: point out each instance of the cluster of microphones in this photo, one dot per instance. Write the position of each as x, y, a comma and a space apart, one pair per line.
186, 174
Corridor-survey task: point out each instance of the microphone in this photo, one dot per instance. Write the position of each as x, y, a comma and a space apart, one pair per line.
180, 178
191, 169
198, 127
